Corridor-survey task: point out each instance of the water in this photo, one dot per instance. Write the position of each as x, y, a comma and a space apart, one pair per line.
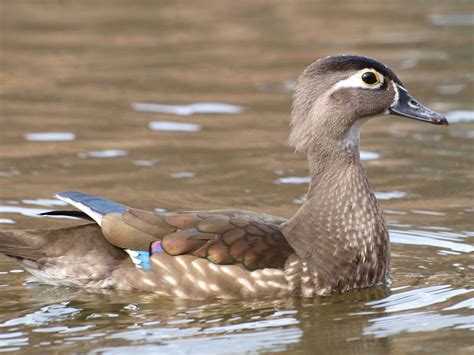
460, 116
186, 110
169, 126
50, 136
79, 67
107, 153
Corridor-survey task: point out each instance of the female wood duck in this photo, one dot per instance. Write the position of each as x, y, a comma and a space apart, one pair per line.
336, 242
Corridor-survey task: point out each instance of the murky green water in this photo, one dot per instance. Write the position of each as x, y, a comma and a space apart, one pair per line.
78, 67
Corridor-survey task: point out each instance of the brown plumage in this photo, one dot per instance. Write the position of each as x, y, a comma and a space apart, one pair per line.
225, 237
336, 242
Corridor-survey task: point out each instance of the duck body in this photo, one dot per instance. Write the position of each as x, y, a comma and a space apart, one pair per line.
196, 254
336, 242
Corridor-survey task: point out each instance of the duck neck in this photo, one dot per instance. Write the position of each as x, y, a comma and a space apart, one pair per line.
339, 232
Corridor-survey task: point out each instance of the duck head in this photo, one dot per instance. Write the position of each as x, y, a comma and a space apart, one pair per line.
335, 95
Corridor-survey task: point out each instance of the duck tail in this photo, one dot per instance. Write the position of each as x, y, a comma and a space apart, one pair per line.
75, 214
22, 244
91, 207
78, 255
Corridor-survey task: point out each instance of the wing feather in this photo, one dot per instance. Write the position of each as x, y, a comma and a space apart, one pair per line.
222, 237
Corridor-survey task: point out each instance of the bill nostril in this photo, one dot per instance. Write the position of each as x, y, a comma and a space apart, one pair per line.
413, 103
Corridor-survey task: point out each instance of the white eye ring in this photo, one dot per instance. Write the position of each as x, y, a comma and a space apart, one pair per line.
355, 80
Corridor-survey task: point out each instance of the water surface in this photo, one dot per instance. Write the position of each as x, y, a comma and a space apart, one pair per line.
170, 105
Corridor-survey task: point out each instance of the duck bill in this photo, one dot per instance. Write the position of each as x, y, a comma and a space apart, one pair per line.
405, 105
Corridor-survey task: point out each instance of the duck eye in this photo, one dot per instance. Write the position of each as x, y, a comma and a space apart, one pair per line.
370, 78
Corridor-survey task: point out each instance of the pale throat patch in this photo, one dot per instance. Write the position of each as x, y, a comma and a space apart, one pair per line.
355, 81
353, 134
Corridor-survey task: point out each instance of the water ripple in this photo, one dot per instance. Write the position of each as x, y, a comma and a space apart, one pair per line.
418, 298
186, 110
390, 195
469, 304
146, 162
7, 221
183, 175
293, 180
25, 211
50, 137
442, 239
460, 116
453, 20
47, 202
169, 126
274, 339
55, 312
108, 153
416, 322
12, 341
366, 155
29, 212
244, 337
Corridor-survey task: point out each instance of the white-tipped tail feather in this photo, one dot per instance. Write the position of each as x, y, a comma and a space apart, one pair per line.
97, 217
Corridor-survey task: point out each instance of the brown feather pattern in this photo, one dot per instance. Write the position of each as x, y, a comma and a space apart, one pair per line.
225, 237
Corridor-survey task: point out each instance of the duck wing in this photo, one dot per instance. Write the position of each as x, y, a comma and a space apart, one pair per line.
224, 237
